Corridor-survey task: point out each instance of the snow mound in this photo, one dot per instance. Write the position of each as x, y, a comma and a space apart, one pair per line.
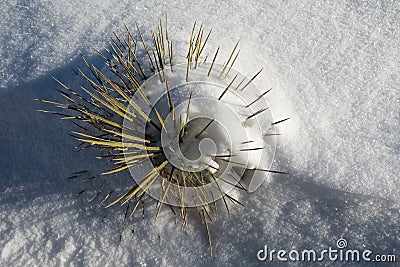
334, 70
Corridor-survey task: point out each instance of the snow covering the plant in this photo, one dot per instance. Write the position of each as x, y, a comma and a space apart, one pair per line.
334, 69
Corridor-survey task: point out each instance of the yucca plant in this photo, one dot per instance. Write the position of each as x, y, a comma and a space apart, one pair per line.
191, 134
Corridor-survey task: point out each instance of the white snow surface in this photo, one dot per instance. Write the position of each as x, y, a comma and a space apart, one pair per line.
334, 69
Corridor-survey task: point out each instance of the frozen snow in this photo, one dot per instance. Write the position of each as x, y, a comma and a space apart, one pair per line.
333, 67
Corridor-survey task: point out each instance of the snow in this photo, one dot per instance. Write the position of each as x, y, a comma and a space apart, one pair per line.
334, 70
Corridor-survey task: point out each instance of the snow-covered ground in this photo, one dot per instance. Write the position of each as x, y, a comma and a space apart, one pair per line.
334, 69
